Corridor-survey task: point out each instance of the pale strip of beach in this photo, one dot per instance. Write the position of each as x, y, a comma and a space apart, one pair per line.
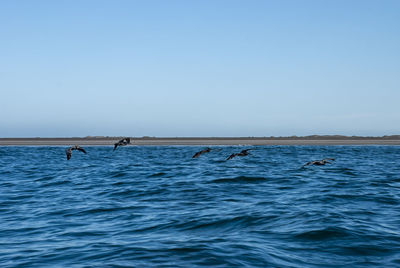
308, 140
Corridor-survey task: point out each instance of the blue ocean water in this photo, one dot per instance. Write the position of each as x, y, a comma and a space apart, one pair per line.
152, 206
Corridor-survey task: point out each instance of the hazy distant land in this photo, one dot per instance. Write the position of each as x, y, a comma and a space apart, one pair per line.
292, 140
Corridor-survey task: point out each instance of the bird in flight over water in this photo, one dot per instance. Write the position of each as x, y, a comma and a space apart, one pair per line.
242, 153
122, 142
207, 150
76, 147
320, 162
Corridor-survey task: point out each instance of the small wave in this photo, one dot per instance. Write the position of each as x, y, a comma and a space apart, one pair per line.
120, 183
101, 210
45, 178
56, 183
21, 231
158, 174
240, 179
118, 174
324, 234
367, 250
123, 193
226, 224
82, 234
368, 198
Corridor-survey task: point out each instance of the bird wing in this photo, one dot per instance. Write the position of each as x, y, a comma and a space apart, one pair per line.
116, 145
81, 149
196, 155
128, 140
201, 152
231, 156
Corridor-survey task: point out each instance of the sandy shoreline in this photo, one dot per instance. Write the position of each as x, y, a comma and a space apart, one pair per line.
196, 141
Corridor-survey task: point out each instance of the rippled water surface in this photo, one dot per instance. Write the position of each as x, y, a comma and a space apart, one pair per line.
157, 207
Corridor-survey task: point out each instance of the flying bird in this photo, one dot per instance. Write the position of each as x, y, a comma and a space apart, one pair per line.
207, 150
242, 153
76, 147
320, 162
122, 142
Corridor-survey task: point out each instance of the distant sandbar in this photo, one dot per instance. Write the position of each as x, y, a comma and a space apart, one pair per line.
293, 140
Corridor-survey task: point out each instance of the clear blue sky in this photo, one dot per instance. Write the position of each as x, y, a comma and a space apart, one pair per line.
199, 68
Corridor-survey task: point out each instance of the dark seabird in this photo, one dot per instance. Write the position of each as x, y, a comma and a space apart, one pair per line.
122, 142
320, 162
76, 147
207, 150
242, 153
